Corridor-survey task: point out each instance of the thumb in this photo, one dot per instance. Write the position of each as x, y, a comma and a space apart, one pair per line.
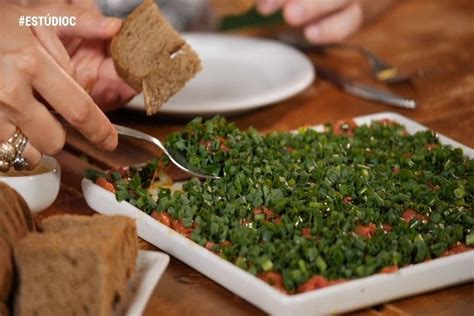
89, 23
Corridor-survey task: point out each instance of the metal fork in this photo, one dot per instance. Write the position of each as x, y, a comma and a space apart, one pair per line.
175, 157
382, 71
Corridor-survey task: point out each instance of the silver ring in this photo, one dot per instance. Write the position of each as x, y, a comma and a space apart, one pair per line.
11, 152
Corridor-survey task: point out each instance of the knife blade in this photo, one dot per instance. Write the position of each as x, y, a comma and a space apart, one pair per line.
364, 91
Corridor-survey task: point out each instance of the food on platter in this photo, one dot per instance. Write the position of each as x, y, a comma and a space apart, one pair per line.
151, 56
76, 265
310, 209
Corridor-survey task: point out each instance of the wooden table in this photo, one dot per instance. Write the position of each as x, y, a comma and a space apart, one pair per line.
431, 39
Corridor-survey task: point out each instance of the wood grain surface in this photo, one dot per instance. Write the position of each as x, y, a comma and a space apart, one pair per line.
433, 40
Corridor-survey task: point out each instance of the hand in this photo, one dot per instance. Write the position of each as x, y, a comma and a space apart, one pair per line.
34, 61
325, 21
87, 43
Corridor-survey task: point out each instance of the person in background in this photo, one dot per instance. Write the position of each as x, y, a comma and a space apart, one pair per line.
326, 21
68, 71
323, 21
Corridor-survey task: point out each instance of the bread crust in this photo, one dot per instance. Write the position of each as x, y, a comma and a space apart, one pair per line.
6, 270
16, 221
15, 216
121, 67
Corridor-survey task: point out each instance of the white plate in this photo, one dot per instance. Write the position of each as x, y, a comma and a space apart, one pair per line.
239, 74
150, 266
340, 298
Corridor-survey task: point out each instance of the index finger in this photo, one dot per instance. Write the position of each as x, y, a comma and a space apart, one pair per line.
299, 12
90, 24
67, 97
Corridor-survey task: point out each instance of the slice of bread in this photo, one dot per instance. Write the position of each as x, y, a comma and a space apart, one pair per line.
78, 266
151, 56
99, 224
16, 222
231, 7
15, 216
6, 270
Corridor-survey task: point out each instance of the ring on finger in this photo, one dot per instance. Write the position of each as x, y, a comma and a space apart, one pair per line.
11, 152
20, 163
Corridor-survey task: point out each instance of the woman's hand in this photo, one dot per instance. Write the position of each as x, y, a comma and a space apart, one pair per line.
87, 44
33, 61
325, 21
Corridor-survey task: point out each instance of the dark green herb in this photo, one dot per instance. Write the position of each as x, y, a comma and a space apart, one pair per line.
310, 203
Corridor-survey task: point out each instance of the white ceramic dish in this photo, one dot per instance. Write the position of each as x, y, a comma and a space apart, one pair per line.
149, 269
239, 74
335, 299
40, 190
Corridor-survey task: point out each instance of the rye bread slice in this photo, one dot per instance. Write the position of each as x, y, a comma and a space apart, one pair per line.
16, 222
78, 266
6, 270
151, 56
98, 224
15, 216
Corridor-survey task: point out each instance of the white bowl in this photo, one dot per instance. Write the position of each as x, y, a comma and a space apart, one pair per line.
39, 190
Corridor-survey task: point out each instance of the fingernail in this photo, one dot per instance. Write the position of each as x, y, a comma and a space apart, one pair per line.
268, 6
313, 32
295, 13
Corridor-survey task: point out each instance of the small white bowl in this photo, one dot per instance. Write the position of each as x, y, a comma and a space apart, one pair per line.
39, 190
